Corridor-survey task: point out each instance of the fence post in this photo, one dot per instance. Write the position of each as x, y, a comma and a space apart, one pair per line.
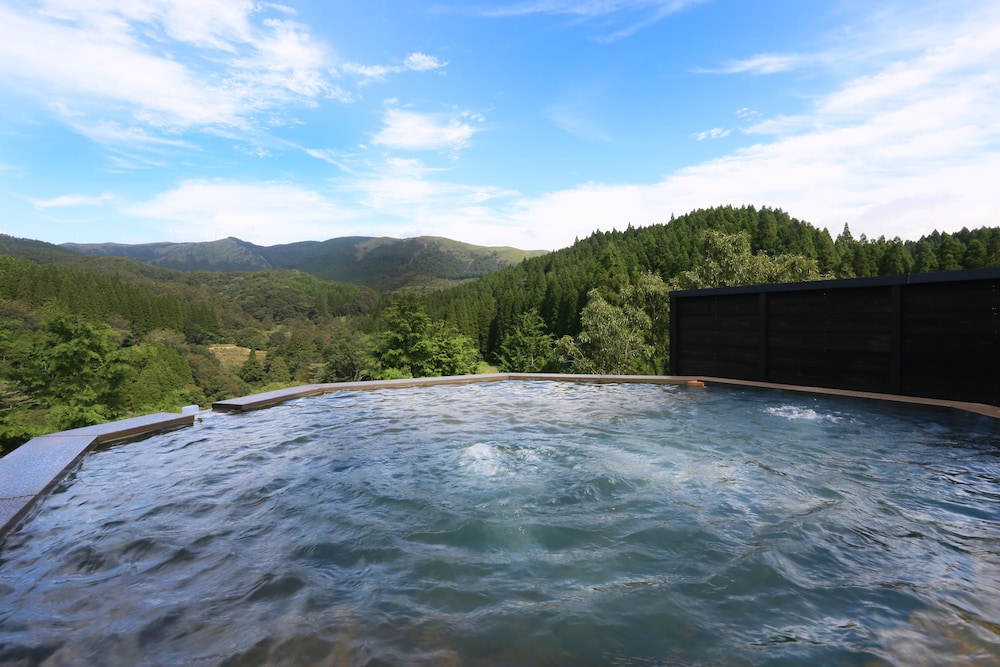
763, 371
896, 339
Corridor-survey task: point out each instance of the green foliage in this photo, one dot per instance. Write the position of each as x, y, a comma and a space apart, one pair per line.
20, 419
612, 341
729, 261
381, 263
252, 371
208, 374
527, 347
90, 338
73, 371
651, 295
160, 379
629, 338
345, 357
410, 344
556, 285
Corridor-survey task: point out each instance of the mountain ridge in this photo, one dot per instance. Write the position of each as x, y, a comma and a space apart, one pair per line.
380, 262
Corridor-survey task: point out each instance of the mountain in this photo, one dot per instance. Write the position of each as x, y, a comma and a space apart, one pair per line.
385, 264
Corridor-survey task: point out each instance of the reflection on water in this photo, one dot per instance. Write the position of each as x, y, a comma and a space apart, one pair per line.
522, 523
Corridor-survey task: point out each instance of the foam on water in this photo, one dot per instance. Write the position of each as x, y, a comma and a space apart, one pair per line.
798, 413
522, 523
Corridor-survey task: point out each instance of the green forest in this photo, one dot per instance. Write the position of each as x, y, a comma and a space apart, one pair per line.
86, 338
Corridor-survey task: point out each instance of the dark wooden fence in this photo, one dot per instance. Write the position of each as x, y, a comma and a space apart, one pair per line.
934, 335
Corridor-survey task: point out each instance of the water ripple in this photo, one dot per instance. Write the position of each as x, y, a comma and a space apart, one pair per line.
522, 523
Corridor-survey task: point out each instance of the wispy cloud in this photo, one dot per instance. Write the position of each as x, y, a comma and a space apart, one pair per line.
400, 197
409, 198
714, 133
413, 131
617, 18
901, 151
577, 124
164, 66
401, 185
415, 62
906, 148
586, 8
421, 62
335, 158
74, 200
111, 133
262, 212
765, 63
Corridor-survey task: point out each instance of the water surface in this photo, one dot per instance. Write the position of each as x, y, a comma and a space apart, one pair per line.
518, 523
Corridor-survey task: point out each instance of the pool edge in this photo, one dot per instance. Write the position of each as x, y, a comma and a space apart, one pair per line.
982, 409
276, 397
31, 470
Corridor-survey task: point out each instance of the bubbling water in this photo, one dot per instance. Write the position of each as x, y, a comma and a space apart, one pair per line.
522, 523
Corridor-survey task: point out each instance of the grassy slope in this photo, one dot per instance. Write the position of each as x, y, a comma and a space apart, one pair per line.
385, 264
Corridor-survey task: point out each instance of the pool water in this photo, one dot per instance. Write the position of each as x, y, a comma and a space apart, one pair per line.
522, 523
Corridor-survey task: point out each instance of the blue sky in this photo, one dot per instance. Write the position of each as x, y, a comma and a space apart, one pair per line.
525, 122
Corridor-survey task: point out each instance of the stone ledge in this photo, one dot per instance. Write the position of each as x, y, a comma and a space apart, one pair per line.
271, 398
278, 396
976, 408
36, 466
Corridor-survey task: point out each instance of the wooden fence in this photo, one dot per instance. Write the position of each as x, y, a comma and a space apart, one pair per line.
934, 335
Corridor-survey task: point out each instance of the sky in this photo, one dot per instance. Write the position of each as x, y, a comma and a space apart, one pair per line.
525, 123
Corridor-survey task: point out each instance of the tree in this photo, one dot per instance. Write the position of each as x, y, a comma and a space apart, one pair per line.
927, 260
527, 347
252, 371
160, 380
77, 371
975, 255
344, 356
728, 262
896, 260
19, 418
410, 344
651, 295
950, 253
612, 341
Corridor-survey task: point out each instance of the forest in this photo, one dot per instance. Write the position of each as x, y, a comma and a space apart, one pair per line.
86, 339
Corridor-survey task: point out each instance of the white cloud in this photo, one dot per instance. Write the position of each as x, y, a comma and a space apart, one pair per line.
415, 62
421, 62
918, 150
405, 187
261, 212
401, 198
911, 147
766, 63
162, 65
408, 198
335, 158
409, 130
74, 200
111, 133
714, 133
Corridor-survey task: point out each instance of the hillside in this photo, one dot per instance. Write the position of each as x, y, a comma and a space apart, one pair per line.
88, 338
384, 264
556, 286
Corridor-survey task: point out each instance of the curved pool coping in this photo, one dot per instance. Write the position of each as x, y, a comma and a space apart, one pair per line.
31, 470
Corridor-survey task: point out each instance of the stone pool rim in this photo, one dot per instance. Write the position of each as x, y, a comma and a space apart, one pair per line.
34, 468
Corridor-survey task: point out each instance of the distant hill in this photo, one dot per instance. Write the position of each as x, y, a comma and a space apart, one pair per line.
385, 264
